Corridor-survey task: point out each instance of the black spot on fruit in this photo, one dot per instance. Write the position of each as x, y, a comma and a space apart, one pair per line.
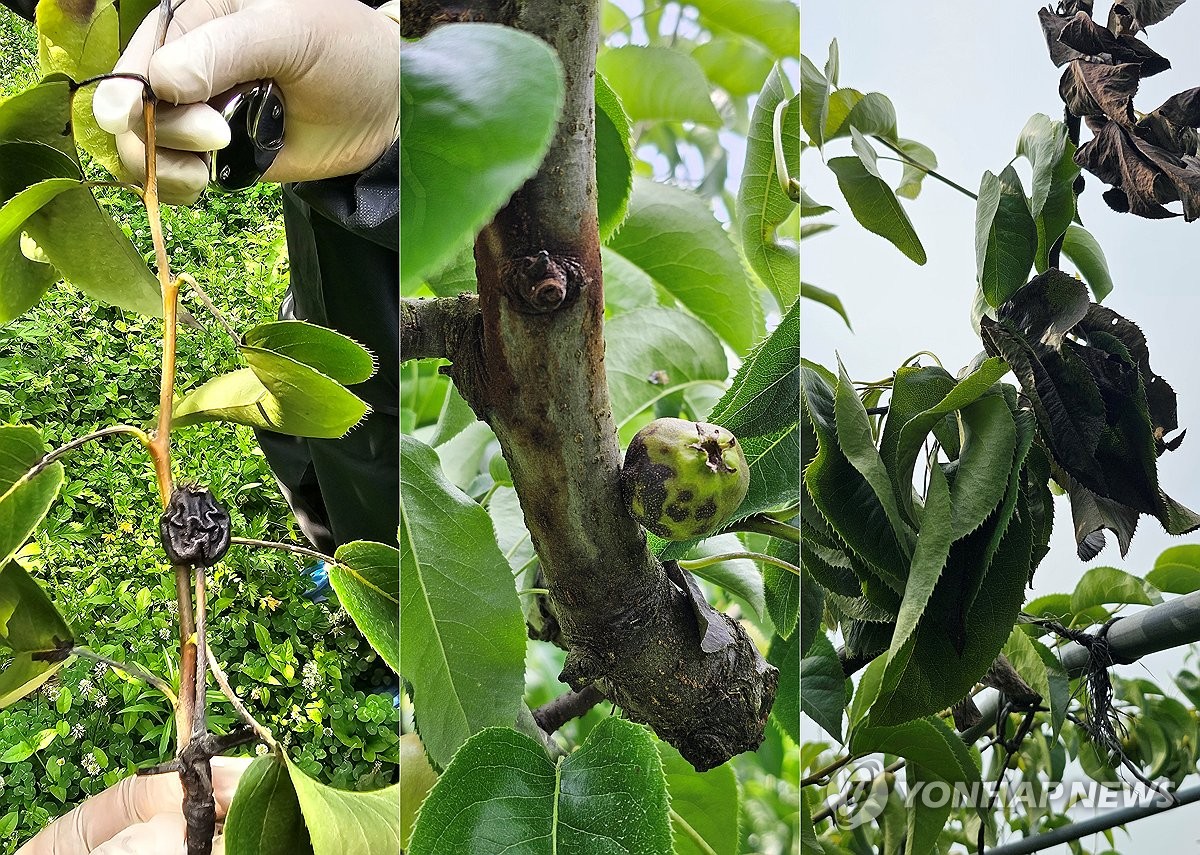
194, 527
683, 479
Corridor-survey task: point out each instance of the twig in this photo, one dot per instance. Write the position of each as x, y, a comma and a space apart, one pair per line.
262, 730
64, 450
436, 327
926, 169
823, 773
132, 670
553, 715
284, 547
200, 713
700, 563
208, 304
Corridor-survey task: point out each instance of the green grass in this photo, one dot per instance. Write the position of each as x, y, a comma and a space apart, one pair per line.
70, 366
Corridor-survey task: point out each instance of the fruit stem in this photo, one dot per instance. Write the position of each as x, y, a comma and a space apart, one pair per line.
700, 563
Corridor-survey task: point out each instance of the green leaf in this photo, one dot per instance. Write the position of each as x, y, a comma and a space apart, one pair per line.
929, 742
81, 40
814, 101
33, 175
264, 817
857, 442
872, 115
875, 206
502, 792
1108, 585
912, 176
655, 352
277, 394
614, 160
416, 780
336, 356
465, 652
23, 502
341, 821
501, 132
40, 115
735, 64
738, 576
1005, 236
704, 805
847, 502
765, 394
92, 253
1085, 253
774, 23
673, 236
367, 581
1044, 143
812, 596
784, 654
1027, 661
1177, 570
456, 415
762, 205
27, 748
131, 14
24, 675
825, 298
626, 286
658, 84
1059, 698
824, 696
929, 559
810, 207
782, 589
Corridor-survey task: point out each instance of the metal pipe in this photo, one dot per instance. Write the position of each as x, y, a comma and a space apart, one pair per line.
1095, 824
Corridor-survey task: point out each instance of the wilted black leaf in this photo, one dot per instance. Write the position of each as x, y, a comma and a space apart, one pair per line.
1094, 89
1091, 393
1147, 175
1075, 36
1144, 13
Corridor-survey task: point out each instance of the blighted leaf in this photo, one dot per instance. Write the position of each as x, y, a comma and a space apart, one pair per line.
1097, 90
1102, 413
1071, 37
1146, 13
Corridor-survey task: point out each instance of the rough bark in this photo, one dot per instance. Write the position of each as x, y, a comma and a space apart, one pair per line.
435, 328
536, 374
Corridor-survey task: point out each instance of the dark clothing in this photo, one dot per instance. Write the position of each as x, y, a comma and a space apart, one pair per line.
342, 237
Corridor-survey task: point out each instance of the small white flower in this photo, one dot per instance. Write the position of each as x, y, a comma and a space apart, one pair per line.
255, 694
78, 731
51, 692
327, 731
1, 783
260, 749
101, 669
85, 688
101, 700
90, 765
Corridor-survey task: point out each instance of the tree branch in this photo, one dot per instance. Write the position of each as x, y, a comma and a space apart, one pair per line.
535, 372
550, 717
434, 328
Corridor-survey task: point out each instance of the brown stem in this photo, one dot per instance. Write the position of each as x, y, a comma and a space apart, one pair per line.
185, 712
534, 369
262, 731
553, 715
200, 713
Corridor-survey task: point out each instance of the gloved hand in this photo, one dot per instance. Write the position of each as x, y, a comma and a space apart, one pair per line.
337, 63
135, 816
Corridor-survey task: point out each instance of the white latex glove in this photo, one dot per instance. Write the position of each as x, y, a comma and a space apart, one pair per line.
135, 816
337, 63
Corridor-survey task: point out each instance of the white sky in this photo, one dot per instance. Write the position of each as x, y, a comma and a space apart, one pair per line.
964, 78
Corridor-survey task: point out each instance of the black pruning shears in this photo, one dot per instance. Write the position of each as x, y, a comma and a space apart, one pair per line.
255, 115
